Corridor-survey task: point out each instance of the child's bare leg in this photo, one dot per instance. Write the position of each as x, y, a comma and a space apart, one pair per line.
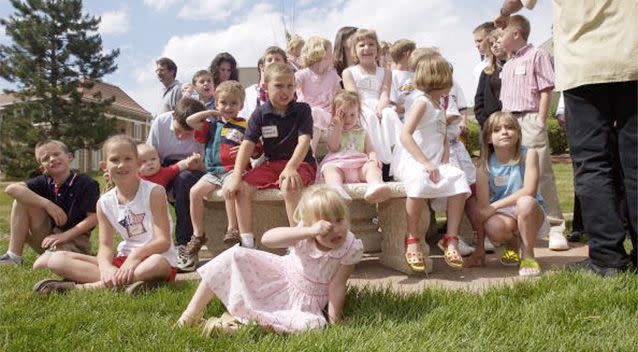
195, 309
23, 219
231, 214
377, 191
243, 201
371, 172
455, 205
500, 228
291, 199
197, 194
334, 178
413, 252
530, 216
152, 268
80, 268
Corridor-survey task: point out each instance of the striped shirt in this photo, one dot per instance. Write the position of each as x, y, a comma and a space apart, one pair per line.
524, 76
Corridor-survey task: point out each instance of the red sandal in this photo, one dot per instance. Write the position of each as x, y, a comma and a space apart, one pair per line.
415, 260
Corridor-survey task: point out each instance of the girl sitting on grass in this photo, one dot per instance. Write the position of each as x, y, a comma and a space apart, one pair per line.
287, 293
137, 210
507, 192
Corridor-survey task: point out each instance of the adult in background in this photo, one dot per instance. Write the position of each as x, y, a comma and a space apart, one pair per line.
601, 96
342, 49
166, 71
223, 68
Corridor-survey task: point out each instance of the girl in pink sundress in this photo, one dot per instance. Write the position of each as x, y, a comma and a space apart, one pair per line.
317, 84
287, 293
351, 158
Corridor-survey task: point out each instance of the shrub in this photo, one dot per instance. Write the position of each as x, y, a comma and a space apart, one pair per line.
557, 138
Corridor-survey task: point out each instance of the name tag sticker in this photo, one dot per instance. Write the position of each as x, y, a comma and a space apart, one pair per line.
501, 181
519, 70
269, 131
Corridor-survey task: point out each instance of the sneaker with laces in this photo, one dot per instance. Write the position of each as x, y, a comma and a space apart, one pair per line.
185, 262
48, 286
557, 242
7, 259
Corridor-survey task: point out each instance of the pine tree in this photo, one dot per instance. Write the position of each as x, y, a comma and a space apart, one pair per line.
55, 54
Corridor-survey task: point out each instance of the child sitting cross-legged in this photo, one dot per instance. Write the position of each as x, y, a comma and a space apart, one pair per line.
137, 210
222, 131
351, 157
285, 128
286, 293
507, 191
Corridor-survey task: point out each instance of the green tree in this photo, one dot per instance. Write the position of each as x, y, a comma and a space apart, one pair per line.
56, 54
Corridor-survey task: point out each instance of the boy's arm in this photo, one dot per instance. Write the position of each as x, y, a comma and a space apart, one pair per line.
160, 242
80, 228
232, 186
105, 249
337, 292
196, 120
289, 177
543, 105
21, 192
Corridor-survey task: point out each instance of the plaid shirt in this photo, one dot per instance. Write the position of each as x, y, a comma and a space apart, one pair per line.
524, 76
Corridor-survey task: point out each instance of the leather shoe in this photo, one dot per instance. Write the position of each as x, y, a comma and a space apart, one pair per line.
575, 236
588, 265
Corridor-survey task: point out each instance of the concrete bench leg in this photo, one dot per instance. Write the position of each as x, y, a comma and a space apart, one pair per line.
392, 219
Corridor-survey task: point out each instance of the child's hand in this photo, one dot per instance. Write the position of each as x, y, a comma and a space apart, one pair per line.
400, 108
476, 259
54, 239
125, 274
289, 180
338, 118
378, 111
321, 228
56, 213
230, 189
194, 162
486, 213
107, 275
435, 175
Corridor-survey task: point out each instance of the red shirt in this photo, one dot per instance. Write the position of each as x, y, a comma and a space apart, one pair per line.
164, 176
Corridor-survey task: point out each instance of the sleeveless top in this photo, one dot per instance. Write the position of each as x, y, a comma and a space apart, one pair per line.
368, 85
134, 220
505, 179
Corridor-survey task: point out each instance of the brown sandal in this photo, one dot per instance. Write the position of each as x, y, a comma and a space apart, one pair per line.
232, 237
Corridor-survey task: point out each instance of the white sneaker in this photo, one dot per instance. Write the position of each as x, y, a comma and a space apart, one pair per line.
464, 248
557, 242
489, 247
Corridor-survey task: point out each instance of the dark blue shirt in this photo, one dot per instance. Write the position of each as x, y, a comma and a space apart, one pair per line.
77, 196
280, 133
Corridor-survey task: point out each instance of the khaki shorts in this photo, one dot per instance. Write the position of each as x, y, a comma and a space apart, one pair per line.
80, 244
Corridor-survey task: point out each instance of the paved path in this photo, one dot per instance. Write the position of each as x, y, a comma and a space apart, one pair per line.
370, 273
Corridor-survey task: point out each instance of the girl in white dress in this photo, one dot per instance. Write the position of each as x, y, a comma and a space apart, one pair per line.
137, 210
287, 293
372, 84
421, 162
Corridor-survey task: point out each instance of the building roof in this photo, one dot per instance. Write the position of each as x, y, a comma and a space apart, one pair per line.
122, 102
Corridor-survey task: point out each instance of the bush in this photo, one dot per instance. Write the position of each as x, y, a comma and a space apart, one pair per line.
474, 133
557, 138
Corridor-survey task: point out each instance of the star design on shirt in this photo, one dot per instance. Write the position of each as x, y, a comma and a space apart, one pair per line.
133, 223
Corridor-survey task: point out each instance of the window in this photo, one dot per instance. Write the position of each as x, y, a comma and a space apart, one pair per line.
137, 131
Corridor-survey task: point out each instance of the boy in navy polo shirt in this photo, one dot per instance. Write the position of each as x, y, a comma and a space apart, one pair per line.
53, 211
285, 127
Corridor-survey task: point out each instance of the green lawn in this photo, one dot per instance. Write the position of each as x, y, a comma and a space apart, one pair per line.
559, 312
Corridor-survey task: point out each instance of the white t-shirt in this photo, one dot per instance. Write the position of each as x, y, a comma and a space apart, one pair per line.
401, 87
134, 220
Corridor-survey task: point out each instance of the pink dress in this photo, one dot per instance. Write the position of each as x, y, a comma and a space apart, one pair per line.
350, 157
287, 293
318, 92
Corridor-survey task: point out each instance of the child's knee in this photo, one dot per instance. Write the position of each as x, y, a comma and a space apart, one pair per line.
57, 260
526, 205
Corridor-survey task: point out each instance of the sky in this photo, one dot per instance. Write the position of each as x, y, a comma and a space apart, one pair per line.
192, 32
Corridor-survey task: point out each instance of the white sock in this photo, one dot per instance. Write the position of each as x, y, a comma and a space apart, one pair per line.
247, 240
14, 256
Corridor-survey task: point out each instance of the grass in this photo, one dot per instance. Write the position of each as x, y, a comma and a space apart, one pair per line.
561, 311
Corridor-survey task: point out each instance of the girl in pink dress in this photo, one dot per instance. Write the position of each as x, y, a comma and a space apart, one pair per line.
287, 293
317, 83
351, 158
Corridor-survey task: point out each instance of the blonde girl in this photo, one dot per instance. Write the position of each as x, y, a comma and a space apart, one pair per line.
317, 83
421, 162
137, 210
372, 84
507, 191
287, 293
351, 158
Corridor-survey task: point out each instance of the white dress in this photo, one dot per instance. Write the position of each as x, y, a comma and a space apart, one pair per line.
429, 135
134, 220
287, 293
384, 132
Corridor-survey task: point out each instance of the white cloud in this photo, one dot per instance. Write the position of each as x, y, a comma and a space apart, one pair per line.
209, 10
160, 4
115, 22
4, 38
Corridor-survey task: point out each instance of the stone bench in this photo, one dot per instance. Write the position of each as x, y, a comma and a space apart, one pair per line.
385, 238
